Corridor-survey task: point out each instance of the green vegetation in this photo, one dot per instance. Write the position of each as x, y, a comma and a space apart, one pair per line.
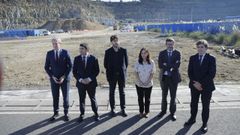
232, 40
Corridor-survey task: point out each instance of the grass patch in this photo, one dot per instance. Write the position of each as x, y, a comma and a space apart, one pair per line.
232, 40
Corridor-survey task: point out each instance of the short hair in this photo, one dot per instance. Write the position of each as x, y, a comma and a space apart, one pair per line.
56, 39
202, 41
84, 45
170, 40
113, 37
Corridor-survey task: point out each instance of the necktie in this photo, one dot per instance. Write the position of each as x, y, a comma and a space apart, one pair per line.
56, 54
200, 59
169, 62
169, 57
84, 61
169, 54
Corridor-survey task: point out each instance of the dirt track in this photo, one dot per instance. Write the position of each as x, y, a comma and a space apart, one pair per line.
24, 59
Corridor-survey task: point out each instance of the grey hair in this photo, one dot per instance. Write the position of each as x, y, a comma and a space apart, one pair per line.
56, 39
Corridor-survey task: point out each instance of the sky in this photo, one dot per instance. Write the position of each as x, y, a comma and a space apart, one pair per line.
119, 0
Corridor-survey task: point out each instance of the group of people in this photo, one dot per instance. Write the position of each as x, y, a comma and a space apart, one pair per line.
201, 72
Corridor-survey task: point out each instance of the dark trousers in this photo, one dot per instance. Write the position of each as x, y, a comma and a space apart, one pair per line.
91, 90
112, 87
65, 93
205, 97
167, 84
144, 93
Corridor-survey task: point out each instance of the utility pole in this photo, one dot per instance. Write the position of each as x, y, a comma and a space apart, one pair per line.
191, 14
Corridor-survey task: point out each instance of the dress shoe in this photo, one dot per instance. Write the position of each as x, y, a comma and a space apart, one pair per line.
54, 117
161, 114
204, 129
66, 118
124, 114
146, 115
189, 122
141, 115
80, 119
173, 117
113, 113
96, 117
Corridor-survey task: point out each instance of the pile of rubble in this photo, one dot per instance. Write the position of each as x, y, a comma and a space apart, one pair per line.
230, 52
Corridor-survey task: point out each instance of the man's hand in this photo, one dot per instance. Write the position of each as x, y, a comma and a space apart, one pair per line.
197, 85
55, 79
87, 80
83, 81
61, 80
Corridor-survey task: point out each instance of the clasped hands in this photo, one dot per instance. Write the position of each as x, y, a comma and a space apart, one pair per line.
85, 81
58, 81
197, 85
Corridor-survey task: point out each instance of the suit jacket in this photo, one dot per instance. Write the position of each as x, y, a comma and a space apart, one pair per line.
203, 73
91, 70
59, 68
175, 64
109, 61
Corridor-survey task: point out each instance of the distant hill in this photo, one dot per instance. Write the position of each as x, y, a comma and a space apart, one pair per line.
41, 13
72, 24
36, 13
175, 10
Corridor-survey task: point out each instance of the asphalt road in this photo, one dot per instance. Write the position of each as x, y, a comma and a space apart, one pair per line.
221, 122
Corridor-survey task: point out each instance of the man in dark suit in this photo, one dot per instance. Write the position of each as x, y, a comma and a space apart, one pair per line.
58, 66
169, 62
115, 63
201, 72
85, 70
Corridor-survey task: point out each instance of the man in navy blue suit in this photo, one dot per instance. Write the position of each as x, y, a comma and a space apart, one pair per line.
85, 70
169, 61
58, 66
201, 72
116, 63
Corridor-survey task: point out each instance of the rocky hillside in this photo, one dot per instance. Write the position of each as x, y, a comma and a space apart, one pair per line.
72, 24
175, 10
36, 13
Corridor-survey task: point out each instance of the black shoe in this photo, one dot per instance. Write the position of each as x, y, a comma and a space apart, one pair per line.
96, 117
113, 113
189, 122
123, 113
66, 117
80, 119
173, 117
204, 129
161, 114
145, 115
54, 117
